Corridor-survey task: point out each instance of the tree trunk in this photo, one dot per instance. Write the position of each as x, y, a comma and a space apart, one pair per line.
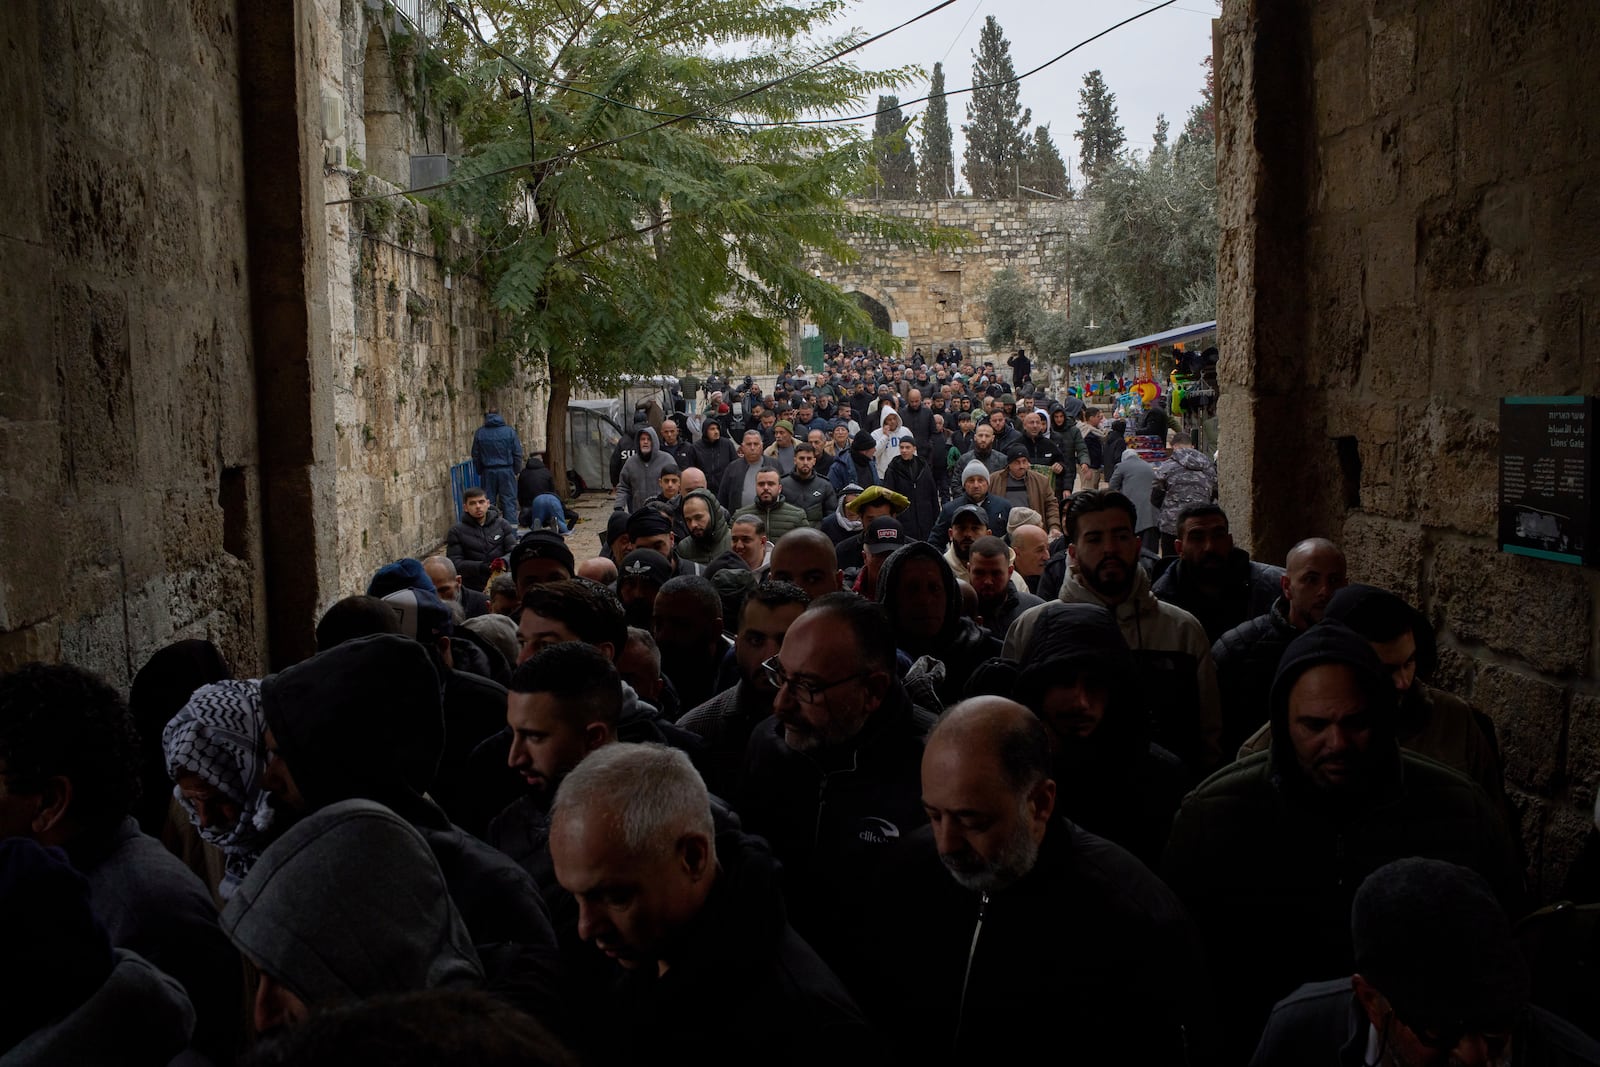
555, 434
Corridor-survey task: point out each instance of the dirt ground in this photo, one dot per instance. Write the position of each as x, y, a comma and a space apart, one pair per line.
595, 508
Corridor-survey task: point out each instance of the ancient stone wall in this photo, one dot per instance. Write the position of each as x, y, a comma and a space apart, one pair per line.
1409, 223
939, 296
410, 314
129, 486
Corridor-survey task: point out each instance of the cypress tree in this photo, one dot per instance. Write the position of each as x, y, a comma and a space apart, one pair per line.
996, 120
891, 152
936, 174
1043, 168
1100, 137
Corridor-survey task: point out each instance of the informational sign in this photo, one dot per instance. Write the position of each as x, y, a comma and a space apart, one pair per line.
1546, 467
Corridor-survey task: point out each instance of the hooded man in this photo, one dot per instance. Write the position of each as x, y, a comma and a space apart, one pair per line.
364, 720
349, 904
713, 452
912, 477
857, 466
919, 593
843, 523
975, 492
497, 455
1187, 479
1280, 841
707, 524
640, 477
1175, 676
1111, 779
1214, 580
872, 503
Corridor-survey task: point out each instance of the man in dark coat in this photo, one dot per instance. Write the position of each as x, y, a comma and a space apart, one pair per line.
694, 917
808, 490
1247, 656
69, 757
919, 593
1009, 915
1280, 841
534, 481
712, 453
1213, 580
1438, 975
497, 454
912, 477
479, 538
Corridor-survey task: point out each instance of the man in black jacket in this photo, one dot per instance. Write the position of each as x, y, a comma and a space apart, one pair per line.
479, 538
1218, 584
1247, 656
1280, 840
806, 489
831, 780
919, 593
1030, 917
1438, 976
695, 919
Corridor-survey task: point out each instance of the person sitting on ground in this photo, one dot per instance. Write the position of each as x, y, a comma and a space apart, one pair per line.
694, 917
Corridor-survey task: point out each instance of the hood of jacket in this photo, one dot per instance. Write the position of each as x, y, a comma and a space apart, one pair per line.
363, 719
655, 439
909, 469
350, 904
1085, 637
493, 419
1193, 459
717, 538
888, 589
1332, 642
1379, 616
136, 1007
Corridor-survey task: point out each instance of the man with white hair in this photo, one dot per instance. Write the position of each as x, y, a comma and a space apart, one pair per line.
695, 918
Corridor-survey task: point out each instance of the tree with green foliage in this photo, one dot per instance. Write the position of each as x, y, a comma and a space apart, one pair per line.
1043, 169
638, 240
997, 123
891, 153
1201, 126
1016, 315
1100, 136
936, 174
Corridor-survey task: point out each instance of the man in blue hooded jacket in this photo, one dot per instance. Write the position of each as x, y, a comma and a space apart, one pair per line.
497, 454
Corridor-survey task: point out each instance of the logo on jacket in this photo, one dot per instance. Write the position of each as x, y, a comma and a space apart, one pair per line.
876, 831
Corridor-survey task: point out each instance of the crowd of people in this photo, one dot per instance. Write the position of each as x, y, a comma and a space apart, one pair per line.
900, 716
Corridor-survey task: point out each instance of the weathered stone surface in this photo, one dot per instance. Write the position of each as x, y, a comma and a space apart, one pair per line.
1583, 746
1384, 553
1529, 608
1529, 717
1446, 468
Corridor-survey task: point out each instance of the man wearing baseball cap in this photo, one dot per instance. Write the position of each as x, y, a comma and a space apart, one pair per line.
1438, 979
881, 537
541, 556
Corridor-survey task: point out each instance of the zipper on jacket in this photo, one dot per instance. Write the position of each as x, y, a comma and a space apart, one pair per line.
972, 954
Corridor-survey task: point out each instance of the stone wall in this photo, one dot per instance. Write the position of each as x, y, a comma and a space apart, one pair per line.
1409, 222
410, 313
940, 295
129, 482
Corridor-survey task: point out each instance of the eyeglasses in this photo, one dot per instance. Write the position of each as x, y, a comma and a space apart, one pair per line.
804, 692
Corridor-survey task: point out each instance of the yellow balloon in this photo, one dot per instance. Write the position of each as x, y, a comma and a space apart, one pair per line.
1146, 391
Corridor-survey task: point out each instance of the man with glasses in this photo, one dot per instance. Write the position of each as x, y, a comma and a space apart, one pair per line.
832, 780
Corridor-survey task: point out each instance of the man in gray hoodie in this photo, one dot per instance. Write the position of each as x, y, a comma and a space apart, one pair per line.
640, 476
349, 904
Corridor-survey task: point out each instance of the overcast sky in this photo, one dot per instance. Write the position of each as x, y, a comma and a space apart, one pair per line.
1152, 65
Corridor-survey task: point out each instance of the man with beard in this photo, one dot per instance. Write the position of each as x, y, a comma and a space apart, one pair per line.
975, 486
1175, 675
1280, 840
912, 477
1427, 721
857, 464
983, 451
776, 514
1030, 548
707, 525
688, 629
639, 578
1006, 912
967, 525
712, 453
872, 503
1022, 486
807, 490
990, 574
1247, 656
1212, 580
725, 721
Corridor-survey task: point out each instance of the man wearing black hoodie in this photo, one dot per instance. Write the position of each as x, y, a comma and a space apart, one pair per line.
364, 720
1212, 579
695, 919
919, 593
1280, 840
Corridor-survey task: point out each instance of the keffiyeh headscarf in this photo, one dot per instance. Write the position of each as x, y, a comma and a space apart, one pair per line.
218, 736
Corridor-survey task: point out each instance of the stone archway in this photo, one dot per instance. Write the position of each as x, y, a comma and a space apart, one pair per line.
875, 311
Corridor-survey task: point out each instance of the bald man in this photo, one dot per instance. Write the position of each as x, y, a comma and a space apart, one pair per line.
1010, 916
1031, 547
806, 558
690, 478
1247, 656
599, 570
447, 583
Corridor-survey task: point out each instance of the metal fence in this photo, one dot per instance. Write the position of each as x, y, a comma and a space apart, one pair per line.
424, 15
463, 476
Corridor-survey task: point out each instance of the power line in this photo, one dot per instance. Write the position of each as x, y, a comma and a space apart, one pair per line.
703, 112
957, 39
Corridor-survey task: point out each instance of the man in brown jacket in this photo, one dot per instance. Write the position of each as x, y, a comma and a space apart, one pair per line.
1025, 487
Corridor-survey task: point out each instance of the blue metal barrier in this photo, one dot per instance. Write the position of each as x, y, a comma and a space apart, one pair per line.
463, 476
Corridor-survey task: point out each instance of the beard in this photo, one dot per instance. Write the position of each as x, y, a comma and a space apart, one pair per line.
1016, 859
1110, 577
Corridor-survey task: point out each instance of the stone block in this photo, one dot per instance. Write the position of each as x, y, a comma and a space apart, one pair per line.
1535, 338
1339, 83
92, 352
1391, 262
1565, 829
1384, 553
1533, 609
1337, 321
1397, 350
1392, 63
32, 644
1453, 248
1446, 463
1456, 671
22, 153
1529, 715
1583, 746
1427, 153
